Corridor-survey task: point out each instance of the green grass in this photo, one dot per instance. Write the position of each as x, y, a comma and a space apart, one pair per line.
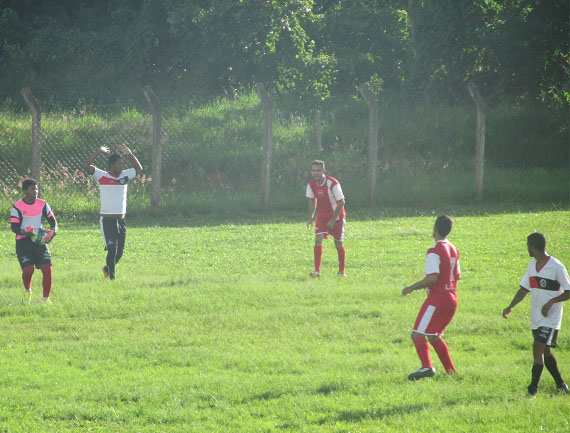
217, 328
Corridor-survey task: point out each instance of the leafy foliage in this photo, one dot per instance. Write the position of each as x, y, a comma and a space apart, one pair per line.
105, 51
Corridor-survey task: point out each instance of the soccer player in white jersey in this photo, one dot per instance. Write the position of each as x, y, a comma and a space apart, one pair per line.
547, 280
113, 191
325, 193
442, 274
25, 219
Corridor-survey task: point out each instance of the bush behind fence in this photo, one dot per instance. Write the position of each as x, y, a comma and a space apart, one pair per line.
213, 152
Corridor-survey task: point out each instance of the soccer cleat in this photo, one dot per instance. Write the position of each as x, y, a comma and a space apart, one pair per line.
532, 390
341, 275
564, 389
105, 272
315, 274
421, 373
47, 300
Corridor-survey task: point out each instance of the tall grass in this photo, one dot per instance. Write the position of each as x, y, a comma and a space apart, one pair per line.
212, 153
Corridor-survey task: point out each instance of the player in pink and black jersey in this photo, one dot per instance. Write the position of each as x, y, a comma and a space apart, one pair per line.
113, 191
25, 219
324, 192
442, 273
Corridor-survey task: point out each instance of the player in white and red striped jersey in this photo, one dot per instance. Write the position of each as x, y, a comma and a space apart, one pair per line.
325, 193
113, 190
442, 273
25, 219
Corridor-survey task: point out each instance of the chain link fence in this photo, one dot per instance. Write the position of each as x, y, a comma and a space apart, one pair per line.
216, 150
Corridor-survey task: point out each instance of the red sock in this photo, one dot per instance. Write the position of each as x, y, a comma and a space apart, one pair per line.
318, 256
46, 280
422, 347
27, 273
341, 259
443, 352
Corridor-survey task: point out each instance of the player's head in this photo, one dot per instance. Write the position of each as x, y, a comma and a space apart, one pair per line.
30, 188
536, 243
115, 162
442, 226
318, 169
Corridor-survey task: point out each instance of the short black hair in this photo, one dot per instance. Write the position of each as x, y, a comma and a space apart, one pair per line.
537, 240
27, 183
443, 225
113, 158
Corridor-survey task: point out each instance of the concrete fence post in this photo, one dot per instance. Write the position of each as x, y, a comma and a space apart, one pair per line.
156, 110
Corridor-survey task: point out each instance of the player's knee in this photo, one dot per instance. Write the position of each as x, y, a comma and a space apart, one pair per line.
28, 270
433, 338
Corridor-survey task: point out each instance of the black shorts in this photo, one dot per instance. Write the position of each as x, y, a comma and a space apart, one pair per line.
545, 335
114, 231
30, 253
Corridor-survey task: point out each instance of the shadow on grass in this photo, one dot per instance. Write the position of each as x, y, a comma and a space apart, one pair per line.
239, 217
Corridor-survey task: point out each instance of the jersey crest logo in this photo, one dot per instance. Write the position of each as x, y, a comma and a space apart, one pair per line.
542, 283
124, 180
320, 192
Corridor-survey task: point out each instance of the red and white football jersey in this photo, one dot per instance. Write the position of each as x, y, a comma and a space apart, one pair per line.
328, 195
113, 190
443, 259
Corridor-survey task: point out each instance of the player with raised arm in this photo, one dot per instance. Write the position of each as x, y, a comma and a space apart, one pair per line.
324, 192
113, 192
547, 280
26, 222
442, 273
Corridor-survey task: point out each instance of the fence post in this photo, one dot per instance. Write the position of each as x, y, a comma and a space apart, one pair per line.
479, 139
156, 110
267, 142
370, 98
319, 130
36, 111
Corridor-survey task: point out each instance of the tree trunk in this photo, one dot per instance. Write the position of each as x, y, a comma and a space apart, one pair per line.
36, 111
479, 139
156, 109
412, 8
267, 142
370, 98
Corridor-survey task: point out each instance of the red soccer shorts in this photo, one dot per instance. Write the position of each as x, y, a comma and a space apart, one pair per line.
321, 226
434, 317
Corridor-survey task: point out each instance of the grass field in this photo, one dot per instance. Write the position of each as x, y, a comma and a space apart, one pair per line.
218, 328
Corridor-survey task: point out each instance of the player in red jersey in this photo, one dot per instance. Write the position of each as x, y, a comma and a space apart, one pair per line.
26, 218
442, 273
324, 192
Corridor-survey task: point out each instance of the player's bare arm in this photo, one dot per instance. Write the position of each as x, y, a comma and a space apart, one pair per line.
312, 209
127, 153
519, 296
426, 282
337, 211
560, 298
88, 164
